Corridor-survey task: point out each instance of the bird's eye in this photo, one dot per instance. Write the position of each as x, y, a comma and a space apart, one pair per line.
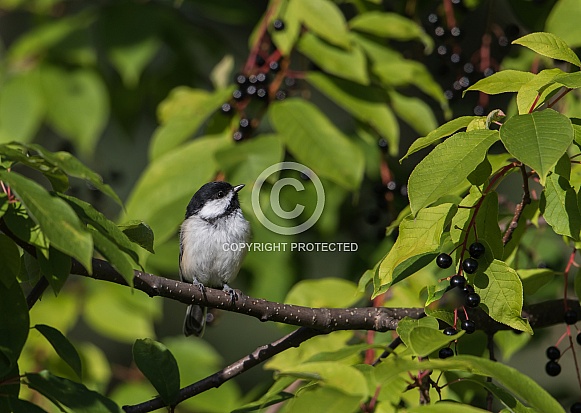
220, 194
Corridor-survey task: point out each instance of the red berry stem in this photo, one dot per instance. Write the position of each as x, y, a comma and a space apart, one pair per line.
251, 61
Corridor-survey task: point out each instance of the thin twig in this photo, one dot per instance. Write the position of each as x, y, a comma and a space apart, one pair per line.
526, 199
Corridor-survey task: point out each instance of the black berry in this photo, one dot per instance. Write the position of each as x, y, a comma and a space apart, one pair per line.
553, 353
472, 300
570, 317
552, 368
240, 79
261, 78
382, 143
251, 90
476, 250
280, 95
238, 136
274, 66
261, 93
469, 326
443, 260
278, 25
457, 281
450, 331
576, 408
238, 95
467, 289
579, 338
445, 352
244, 123
470, 265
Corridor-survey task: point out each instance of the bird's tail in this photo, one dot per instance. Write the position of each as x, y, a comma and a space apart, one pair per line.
195, 321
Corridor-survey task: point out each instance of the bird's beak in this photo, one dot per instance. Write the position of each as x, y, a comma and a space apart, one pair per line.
238, 187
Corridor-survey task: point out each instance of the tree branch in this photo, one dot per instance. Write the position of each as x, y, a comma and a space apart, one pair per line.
259, 355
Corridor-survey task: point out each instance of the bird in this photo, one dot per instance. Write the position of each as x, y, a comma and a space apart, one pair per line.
213, 221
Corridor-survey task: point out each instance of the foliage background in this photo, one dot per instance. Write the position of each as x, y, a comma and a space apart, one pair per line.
89, 78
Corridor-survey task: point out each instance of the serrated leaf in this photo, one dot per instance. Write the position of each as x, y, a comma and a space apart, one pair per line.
501, 292
347, 64
14, 326
391, 26
10, 259
63, 347
559, 207
502, 82
434, 136
325, 19
181, 114
538, 139
55, 217
550, 45
417, 236
73, 395
368, 104
407, 324
315, 141
139, 233
423, 337
537, 90
159, 366
447, 166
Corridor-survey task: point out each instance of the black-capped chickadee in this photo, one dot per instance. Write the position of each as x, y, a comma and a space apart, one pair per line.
213, 221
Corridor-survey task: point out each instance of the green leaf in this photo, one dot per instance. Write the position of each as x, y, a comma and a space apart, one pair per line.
82, 93
550, 45
331, 374
193, 165
316, 142
63, 347
391, 26
337, 293
563, 21
54, 216
101, 223
538, 139
520, 385
501, 292
139, 233
417, 236
24, 227
159, 366
284, 39
14, 326
502, 82
21, 107
110, 250
446, 407
423, 338
325, 19
55, 267
414, 111
447, 166
181, 114
401, 73
10, 259
347, 64
73, 395
23, 406
365, 103
75, 168
434, 136
535, 278
537, 90
570, 80
559, 207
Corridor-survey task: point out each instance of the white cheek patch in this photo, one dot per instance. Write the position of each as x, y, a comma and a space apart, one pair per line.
215, 207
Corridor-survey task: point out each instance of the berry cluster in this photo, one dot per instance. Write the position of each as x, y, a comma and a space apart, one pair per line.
553, 368
469, 266
259, 81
